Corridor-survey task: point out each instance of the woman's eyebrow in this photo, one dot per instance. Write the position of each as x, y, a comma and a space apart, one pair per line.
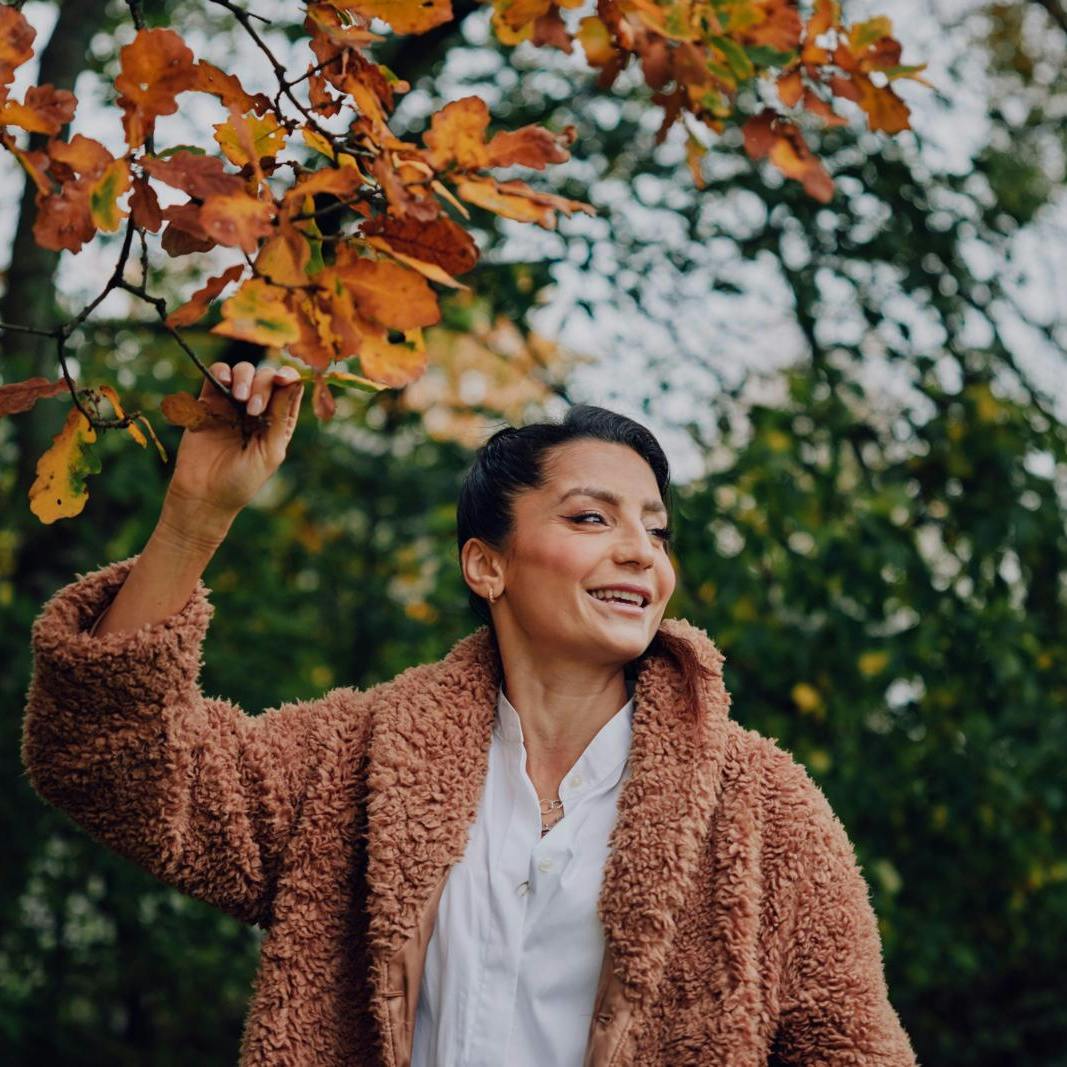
609, 498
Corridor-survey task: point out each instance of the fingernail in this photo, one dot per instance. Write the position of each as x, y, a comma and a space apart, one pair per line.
255, 405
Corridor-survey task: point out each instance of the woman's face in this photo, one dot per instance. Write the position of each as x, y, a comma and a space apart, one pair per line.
597, 523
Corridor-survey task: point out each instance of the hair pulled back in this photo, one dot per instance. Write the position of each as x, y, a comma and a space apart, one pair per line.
514, 459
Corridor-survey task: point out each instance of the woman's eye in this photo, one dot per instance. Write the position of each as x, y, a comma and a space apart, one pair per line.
587, 515
662, 532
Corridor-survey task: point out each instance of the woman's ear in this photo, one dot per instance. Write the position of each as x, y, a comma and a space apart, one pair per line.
482, 568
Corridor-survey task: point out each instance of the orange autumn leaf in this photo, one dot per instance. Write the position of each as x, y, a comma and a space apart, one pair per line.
16, 42
391, 294
58, 491
257, 313
207, 78
394, 364
237, 220
82, 156
34, 163
516, 200
768, 135
156, 66
317, 344
196, 307
427, 270
283, 258
790, 88
405, 16
45, 109
457, 135
21, 396
131, 427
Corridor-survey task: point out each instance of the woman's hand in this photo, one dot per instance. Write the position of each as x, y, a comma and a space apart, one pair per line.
216, 471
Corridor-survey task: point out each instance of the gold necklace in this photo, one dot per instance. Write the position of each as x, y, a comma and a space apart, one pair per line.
553, 805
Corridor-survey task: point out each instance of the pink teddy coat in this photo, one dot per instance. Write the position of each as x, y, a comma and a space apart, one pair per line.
738, 926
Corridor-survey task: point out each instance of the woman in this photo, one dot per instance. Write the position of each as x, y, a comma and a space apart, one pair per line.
550, 847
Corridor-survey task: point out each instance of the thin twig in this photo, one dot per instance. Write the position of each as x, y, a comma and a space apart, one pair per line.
15, 328
245, 19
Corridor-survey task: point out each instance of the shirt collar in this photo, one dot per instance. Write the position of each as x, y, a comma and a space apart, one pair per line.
605, 754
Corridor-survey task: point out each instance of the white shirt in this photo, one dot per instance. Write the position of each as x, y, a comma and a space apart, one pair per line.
512, 964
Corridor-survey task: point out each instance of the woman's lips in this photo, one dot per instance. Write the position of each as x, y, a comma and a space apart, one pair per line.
621, 606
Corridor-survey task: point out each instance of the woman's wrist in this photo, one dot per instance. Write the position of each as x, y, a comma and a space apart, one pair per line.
196, 526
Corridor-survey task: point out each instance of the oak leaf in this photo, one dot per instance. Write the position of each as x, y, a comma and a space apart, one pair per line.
516, 200
237, 220
266, 135
58, 491
195, 308
104, 194
441, 242
199, 176
405, 16
393, 295
45, 109
21, 396
156, 66
257, 313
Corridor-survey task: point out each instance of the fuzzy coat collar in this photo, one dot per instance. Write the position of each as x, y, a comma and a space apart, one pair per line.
427, 764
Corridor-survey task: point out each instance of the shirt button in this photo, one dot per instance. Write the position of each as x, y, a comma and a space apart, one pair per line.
544, 866
576, 781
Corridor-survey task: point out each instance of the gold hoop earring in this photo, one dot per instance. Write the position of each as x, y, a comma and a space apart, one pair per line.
492, 597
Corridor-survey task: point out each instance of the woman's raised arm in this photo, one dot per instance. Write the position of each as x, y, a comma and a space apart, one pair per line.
117, 733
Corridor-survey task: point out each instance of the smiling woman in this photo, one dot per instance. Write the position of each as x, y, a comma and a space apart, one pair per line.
551, 847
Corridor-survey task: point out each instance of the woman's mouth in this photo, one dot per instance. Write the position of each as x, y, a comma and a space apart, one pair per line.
621, 607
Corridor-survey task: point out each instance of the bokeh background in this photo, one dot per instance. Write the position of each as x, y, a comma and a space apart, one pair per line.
864, 405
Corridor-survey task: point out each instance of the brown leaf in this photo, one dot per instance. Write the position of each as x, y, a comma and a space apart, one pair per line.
184, 234
790, 87
64, 220
200, 176
21, 396
183, 409
440, 241
196, 307
144, 205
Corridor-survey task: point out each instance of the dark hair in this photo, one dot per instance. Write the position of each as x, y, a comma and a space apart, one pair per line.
513, 459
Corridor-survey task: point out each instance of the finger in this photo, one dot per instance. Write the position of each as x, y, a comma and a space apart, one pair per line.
243, 374
266, 379
284, 414
219, 370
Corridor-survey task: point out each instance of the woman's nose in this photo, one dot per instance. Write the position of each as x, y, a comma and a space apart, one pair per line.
634, 546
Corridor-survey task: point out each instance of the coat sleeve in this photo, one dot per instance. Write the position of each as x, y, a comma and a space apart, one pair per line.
835, 1009
117, 734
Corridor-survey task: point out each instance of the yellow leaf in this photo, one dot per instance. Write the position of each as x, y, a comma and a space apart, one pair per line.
104, 194
59, 492
267, 137
257, 313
